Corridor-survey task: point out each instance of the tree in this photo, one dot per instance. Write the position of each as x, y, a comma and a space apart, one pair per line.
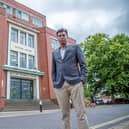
108, 63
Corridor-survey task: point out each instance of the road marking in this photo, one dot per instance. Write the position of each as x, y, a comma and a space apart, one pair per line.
109, 122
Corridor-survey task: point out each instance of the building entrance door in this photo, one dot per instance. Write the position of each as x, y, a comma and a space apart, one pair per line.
21, 89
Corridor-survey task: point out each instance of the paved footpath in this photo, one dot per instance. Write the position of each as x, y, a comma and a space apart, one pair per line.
25, 113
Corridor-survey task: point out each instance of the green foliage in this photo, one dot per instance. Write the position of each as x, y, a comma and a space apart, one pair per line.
108, 63
86, 92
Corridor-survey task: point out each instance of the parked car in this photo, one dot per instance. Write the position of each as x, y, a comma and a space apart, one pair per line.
99, 101
107, 101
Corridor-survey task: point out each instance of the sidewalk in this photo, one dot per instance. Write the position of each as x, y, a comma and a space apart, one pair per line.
24, 113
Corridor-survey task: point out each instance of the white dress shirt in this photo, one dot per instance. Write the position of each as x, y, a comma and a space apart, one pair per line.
62, 52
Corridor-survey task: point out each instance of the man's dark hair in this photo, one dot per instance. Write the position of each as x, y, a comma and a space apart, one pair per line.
62, 30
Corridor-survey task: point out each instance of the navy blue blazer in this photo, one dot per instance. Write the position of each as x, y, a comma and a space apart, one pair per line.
72, 68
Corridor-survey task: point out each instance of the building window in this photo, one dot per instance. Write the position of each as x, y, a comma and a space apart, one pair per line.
23, 60
22, 15
31, 41
22, 38
54, 44
37, 22
31, 62
14, 35
1, 4
8, 8
13, 58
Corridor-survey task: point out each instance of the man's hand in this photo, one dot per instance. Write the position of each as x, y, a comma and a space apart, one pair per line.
81, 82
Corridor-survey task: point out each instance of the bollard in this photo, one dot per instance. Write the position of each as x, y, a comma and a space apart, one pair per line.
71, 103
41, 105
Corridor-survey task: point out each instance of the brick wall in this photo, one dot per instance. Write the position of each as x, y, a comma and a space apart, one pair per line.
3, 55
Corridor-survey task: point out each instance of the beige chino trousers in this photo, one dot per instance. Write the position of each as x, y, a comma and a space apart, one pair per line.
77, 95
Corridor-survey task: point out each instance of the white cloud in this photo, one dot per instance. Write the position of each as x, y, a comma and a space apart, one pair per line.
83, 17
62, 19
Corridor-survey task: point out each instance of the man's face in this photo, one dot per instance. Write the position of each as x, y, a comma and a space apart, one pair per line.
62, 38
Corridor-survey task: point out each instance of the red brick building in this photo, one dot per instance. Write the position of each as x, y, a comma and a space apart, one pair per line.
26, 45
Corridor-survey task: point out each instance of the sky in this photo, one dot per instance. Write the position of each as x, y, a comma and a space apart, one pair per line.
84, 17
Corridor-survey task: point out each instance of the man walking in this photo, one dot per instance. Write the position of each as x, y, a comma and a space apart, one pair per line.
69, 75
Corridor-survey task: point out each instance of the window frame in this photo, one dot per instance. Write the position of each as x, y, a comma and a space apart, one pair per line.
23, 42
31, 44
14, 39
22, 15
32, 62
16, 58
23, 63
37, 21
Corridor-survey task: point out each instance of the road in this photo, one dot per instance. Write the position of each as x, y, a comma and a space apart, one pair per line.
101, 117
